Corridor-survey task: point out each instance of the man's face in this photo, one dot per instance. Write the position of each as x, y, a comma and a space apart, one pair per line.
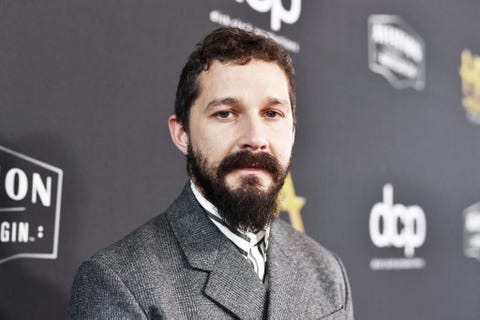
240, 137
242, 107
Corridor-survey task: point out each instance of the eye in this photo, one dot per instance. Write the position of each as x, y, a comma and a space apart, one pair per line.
272, 114
223, 114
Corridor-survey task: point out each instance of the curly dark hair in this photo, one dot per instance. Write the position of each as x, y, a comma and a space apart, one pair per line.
230, 45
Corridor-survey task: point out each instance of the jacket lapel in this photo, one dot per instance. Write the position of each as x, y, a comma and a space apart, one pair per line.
232, 282
297, 289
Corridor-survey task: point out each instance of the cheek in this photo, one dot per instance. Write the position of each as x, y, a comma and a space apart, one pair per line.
211, 145
285, 160
284, 148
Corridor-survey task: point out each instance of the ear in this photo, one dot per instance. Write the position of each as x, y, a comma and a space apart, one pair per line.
178, 134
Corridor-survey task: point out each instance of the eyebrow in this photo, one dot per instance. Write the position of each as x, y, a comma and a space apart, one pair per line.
274, 101
229, 101
222, 101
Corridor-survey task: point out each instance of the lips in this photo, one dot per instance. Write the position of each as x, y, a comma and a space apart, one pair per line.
253, 169
252, 166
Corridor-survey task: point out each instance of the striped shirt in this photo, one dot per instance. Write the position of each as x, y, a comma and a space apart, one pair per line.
253, 246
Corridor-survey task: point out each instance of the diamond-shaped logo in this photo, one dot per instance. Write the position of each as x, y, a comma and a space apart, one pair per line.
30, 201
396, 51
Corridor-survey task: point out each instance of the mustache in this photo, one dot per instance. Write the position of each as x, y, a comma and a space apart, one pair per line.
248, 159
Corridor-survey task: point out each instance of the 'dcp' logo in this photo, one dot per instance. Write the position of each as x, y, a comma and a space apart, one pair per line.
397, 225
278, 12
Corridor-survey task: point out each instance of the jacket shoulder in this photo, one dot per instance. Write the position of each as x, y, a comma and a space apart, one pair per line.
153, 240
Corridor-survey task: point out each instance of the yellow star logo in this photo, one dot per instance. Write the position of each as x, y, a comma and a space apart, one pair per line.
291, 203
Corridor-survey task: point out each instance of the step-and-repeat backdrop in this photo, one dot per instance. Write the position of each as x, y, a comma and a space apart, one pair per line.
386, 168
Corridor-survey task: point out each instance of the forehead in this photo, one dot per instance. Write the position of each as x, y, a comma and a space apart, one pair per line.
256, 77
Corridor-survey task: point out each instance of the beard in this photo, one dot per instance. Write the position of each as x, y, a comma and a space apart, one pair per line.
246, 207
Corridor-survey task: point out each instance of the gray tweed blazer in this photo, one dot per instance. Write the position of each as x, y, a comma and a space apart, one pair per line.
180, 266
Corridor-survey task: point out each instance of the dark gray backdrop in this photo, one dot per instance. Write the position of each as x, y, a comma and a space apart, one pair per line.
87, 86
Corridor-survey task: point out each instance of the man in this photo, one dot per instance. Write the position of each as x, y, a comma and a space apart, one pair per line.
217, 252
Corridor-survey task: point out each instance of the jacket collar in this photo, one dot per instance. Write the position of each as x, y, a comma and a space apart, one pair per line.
232, 281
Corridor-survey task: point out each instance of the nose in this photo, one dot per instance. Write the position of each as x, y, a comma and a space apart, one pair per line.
253, 135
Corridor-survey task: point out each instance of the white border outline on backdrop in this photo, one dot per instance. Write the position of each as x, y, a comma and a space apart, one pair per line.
59, 171
397, 84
